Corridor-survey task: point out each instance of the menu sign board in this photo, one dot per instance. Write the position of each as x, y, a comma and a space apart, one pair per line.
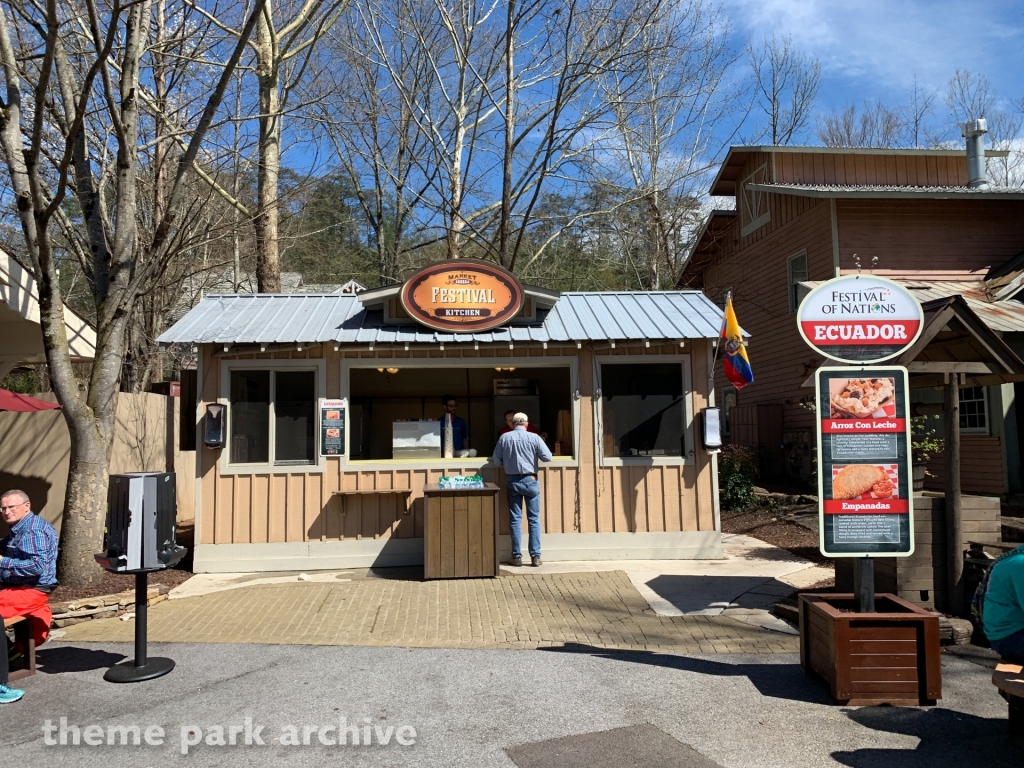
860, 319
332, 427
462, 296
864, 462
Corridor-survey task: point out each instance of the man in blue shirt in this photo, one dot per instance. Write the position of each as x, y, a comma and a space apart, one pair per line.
517, 451
28, 574
460, 432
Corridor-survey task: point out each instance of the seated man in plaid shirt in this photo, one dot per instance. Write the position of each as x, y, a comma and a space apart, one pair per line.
28, 574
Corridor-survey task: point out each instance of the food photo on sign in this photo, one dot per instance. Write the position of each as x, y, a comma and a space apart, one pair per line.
858, 398
865, 481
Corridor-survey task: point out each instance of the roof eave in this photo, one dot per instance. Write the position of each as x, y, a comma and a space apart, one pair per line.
966, 194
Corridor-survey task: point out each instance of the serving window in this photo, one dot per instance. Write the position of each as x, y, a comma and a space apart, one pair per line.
271, 414
395, 409
643, 411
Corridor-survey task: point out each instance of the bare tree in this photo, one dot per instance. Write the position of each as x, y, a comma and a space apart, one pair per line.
60, 84
969, 96
283, 44
786, 83
661, 146
876, 126
920, 104
371, 127
501, 100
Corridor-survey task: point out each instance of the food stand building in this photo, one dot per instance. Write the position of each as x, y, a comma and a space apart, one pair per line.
616, 378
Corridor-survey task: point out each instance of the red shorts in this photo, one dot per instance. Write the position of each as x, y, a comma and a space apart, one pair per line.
31, 603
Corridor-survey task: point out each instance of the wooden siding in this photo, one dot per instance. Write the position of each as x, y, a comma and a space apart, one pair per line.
925, 239
754, 268
882, 169
929, 239
296, 506
981, 467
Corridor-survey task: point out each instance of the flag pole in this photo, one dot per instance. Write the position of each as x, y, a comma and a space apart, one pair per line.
718, 344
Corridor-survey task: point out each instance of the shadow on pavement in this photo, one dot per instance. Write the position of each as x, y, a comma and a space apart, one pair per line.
397, 573
947, 738
694, 594
779, 681
55, 661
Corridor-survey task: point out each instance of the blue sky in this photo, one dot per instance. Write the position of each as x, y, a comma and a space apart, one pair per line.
870, 49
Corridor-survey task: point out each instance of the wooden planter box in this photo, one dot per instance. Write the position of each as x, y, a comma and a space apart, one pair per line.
887, 657
460, 533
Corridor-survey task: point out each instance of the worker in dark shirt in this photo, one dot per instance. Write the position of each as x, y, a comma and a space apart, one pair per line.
460, 432
28, 574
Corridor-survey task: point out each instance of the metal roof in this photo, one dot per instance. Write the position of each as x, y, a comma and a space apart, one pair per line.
1003, 316
888, 191
308, 318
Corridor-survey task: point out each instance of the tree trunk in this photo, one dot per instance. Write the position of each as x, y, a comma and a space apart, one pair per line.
505, 233
268, 263
85, 503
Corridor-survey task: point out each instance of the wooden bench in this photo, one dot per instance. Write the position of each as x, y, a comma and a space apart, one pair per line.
23, 637
347, 495
1009, 679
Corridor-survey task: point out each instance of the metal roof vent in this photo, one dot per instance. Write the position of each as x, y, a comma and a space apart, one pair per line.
974, 131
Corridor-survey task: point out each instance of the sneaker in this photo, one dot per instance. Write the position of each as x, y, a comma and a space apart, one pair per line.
535, 561
517, 561
9, 695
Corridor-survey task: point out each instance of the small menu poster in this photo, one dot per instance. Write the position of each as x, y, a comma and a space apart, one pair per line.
332, 427
865, 478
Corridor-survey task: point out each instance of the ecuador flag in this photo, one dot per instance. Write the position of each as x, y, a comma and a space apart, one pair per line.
737, 365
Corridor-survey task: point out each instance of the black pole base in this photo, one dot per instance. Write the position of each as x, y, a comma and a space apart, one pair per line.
127, 672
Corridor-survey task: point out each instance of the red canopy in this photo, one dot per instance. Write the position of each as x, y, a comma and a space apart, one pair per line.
12, 401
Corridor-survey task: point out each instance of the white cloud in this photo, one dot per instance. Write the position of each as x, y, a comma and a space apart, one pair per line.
873, 48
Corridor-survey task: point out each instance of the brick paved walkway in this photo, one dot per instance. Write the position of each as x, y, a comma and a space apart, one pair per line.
514, 611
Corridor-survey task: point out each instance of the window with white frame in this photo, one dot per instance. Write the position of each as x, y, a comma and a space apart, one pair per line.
973, 410
796, 273
643, 410
272, 416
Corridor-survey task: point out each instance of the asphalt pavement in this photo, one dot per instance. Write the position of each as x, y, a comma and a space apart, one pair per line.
553, 708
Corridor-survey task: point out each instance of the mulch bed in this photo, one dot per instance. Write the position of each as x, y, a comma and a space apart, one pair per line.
770, 526
111, 583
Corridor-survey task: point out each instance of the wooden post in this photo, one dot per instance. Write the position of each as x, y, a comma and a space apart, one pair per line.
954, 513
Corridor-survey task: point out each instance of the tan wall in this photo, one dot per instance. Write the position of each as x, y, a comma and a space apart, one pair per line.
36, 450
298, 506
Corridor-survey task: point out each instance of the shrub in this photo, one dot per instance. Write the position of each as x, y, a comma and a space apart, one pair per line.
737, 473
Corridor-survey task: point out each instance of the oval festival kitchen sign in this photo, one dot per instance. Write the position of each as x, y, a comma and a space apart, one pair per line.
865, 482
860, 319
462, 296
